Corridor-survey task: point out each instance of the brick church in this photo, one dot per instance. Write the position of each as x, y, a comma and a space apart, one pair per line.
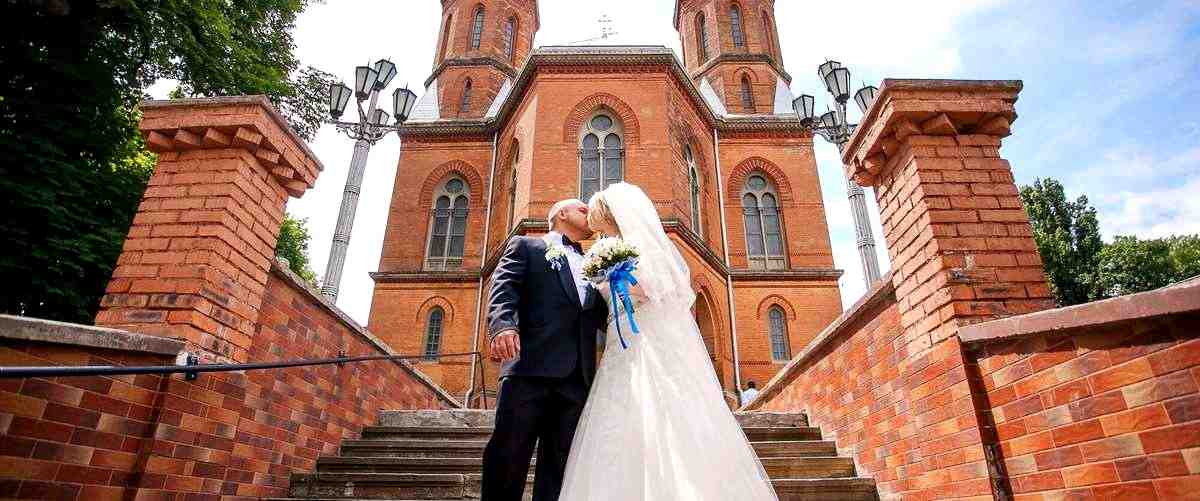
504, 130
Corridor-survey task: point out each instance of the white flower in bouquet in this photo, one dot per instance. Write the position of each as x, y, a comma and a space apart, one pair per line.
606, 254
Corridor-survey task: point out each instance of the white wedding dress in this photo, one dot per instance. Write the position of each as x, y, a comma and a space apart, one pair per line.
655, 426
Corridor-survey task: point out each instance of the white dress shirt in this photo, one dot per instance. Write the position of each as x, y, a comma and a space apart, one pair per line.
575, 261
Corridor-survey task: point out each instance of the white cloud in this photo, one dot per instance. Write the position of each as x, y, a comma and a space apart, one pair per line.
1140, 193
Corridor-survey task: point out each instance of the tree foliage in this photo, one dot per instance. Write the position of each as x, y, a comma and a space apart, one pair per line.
72, 164
1130, 265
1068, 238
1081, 267
293, 246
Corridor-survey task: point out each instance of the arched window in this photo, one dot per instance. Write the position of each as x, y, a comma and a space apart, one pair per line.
747, 95
464, 105
433, 333
780, 349
601, 155
445, 38
735, 26
510, 28
768, 34
512, 185
764, 236
477, 28
701, 38
447, 237
694, 187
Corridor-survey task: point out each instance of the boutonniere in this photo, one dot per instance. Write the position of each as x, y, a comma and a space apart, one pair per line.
556, 255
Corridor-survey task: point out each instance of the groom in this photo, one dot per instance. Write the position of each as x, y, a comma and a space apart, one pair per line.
543, 319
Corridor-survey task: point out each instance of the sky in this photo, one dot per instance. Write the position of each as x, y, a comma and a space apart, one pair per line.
1111, 104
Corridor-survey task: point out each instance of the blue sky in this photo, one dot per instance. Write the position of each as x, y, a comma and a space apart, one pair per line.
1110, 105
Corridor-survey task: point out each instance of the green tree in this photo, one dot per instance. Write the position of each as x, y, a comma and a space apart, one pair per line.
293, 246
72, 164
1068, 238
1129, 265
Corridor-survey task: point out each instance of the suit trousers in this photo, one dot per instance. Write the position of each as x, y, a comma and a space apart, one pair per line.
529, 411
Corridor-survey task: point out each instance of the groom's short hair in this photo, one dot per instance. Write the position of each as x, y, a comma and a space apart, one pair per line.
558, 207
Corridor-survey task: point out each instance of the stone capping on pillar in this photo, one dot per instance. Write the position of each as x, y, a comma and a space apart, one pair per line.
963, 107
1176, 299
25, 329
248, 122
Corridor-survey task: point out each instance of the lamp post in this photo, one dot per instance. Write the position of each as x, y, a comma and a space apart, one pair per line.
372, 125
834, 127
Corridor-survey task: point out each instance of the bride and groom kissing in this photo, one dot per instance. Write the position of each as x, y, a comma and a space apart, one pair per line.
650, 422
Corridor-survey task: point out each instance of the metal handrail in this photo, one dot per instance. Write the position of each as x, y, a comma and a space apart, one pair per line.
192, 369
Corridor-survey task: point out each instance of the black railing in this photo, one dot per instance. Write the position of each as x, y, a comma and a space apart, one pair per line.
193, 369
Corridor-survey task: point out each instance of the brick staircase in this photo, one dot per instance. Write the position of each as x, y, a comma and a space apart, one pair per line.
437, 455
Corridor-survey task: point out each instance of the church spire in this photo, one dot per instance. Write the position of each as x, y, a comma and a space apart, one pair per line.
734, 46
480, 44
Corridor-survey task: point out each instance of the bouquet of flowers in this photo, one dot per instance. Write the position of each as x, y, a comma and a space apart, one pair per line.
614, 260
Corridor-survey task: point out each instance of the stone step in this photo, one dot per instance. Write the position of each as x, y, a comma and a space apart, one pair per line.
390, 486
754, 433
486, 418
410, 486
425, 433
771, 419
779, 467
474, 448
773, 434
826, 489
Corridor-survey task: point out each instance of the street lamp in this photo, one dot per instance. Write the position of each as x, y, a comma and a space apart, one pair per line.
372, 125
835, 128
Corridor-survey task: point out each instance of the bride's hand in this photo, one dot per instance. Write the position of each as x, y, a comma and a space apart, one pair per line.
636, 292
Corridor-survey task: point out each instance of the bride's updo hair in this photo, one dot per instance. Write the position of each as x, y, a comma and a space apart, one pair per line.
599, 216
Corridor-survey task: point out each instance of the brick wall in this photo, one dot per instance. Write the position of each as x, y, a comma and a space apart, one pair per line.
934, 386
225, 434
907, 411
1107, 407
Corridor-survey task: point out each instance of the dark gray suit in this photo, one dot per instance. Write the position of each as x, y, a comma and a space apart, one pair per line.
542, 392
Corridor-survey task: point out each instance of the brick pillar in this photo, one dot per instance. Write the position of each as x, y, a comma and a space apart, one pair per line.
196, 260
962, 252
961, 246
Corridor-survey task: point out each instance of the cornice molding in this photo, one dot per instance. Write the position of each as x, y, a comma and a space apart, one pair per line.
408, 277
743, 58
596, 59
822, 274
501, 66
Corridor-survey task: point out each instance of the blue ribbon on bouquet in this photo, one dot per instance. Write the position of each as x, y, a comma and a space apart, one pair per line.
620, 277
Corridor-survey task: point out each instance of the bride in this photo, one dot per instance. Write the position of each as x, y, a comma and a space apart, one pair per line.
655, 426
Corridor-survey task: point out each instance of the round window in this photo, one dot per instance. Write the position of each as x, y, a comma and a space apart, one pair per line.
757, 183
601, 123
454, 186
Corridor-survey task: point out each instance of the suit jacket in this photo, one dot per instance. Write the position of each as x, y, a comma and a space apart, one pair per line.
557, 333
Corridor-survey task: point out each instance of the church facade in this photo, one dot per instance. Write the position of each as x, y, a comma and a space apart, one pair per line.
504, 130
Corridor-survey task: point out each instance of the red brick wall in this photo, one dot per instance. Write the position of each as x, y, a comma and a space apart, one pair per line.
1106, 411
75, 438
1099, 412
224, 434
906, 421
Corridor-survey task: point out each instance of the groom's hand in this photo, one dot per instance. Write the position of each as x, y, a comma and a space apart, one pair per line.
505, 346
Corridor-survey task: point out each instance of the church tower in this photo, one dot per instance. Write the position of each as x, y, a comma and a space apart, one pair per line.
733, 47
481, 43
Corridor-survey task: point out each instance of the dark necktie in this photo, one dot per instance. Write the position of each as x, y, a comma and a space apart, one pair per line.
572, 244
